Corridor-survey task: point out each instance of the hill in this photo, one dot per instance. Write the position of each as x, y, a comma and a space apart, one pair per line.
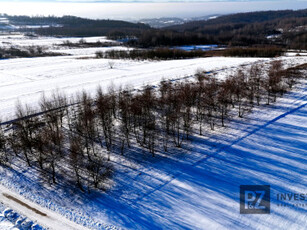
74, 26
241, 19
283, 28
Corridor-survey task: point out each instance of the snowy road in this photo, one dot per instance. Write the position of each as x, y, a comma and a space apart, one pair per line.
43, 216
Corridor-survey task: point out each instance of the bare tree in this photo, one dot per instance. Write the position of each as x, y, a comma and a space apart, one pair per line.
163, 104
98, 171
255, 83
76, 158
224, 100
105, 114
40, 143
175, 116
85, 124
25, 128
188, 98
5, 157
239, 90
209, 101
200, 90
275, 78
272, 83
124, 105
148, 103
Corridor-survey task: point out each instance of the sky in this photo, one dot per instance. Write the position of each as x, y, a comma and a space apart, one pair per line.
137, 9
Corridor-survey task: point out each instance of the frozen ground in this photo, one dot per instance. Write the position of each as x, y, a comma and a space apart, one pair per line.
197, 188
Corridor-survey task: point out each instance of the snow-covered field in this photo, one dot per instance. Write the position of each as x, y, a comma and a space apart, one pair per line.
88, 51
197, 189
22, 40
27, 78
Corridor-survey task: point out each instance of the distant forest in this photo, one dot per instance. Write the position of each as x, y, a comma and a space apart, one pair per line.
285, 29
245, 29
76, 26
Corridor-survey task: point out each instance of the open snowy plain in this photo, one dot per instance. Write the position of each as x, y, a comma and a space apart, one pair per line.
199, 189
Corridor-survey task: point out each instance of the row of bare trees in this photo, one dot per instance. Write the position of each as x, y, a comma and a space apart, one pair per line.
75, 138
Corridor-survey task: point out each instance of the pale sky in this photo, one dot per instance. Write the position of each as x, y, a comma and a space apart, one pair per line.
136, 9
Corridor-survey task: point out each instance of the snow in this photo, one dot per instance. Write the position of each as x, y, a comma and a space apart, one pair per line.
274, 36
193, 188
202, 192
213, 17
5, 224
46, 218
26, 79
22, 40
88, 51
10, 220
296, 53
199, 188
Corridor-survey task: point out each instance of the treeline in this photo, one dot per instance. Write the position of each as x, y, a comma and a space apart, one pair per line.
82, 43
268, 51
150, 54
244, 18
90, 31
75, 143
171, 54
30, 51
76, 26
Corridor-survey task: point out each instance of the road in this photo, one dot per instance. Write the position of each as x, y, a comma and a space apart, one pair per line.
43, 216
